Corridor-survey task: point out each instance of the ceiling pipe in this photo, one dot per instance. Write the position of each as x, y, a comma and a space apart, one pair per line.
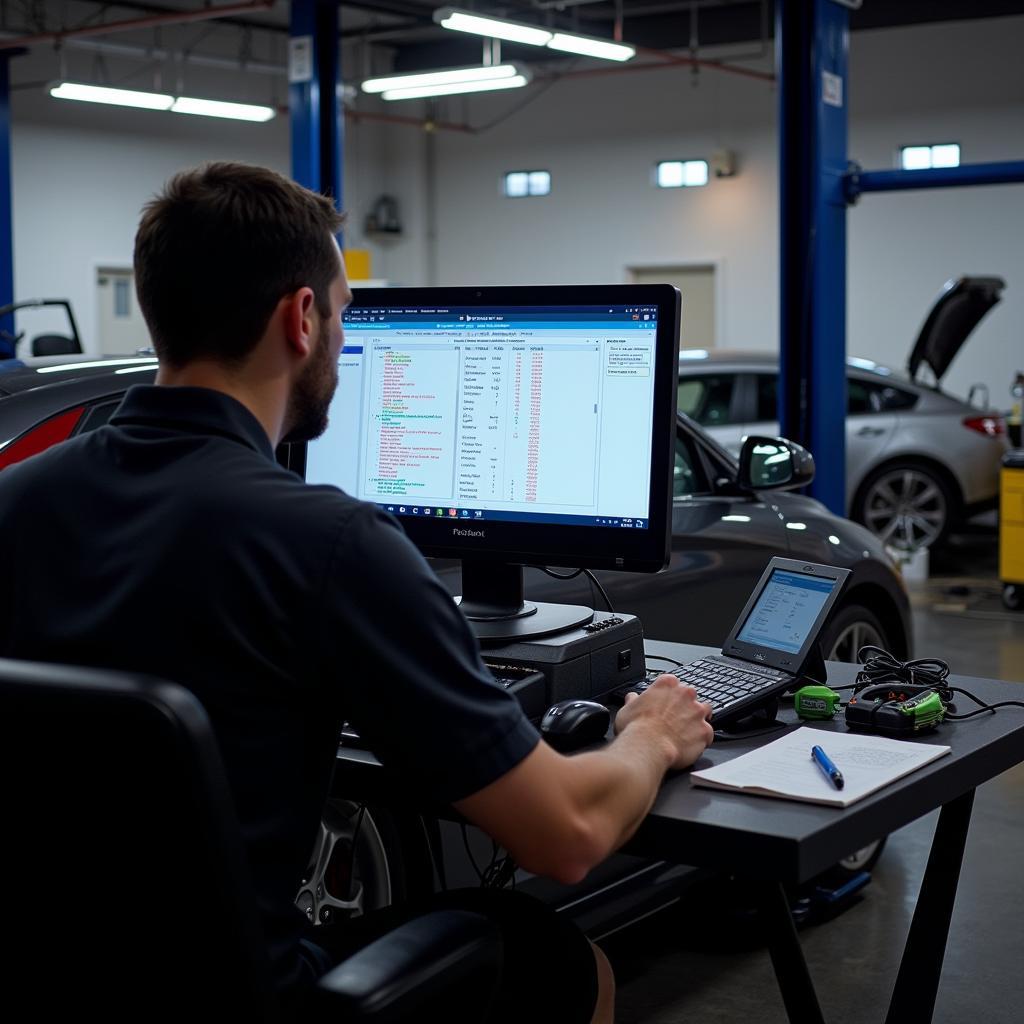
150, 21
666, 60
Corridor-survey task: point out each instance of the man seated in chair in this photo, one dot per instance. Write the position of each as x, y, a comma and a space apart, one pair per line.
170, 542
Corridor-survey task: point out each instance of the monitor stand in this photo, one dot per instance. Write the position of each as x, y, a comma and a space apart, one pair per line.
492, 600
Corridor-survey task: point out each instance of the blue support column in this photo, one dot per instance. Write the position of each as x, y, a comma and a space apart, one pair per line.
811, 47
6, 213
314, 97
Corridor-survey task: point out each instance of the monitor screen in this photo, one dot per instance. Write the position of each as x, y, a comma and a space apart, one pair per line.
786, 611
528, 424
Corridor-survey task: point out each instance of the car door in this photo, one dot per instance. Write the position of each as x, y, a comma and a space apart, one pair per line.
870, 422
721, 543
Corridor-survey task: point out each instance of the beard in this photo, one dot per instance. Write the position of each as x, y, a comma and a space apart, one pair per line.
310, 399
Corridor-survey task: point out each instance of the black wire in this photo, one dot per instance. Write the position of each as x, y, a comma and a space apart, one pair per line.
469, 853
661, 657
597, 583
594, 581
880, 667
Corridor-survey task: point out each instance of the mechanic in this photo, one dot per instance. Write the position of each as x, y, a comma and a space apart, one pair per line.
170, 542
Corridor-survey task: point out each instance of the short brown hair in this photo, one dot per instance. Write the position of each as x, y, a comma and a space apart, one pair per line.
219, 248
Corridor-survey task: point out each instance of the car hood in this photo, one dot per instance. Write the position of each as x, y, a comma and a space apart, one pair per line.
957, 311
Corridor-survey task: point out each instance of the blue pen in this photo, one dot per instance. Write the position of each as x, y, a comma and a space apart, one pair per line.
832, 773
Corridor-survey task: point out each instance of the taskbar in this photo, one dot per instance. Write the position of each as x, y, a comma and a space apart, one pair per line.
478, 515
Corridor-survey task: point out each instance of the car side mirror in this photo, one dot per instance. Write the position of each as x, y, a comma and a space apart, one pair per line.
774, 464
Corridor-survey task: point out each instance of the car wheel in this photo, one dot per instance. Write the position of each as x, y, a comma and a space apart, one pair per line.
1013, 596
907, 504
865, 858
364, 858
850, 629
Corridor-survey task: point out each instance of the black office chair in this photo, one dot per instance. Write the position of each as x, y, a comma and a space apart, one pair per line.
124, 892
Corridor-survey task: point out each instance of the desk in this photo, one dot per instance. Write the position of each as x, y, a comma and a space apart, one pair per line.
776, 841
782, 841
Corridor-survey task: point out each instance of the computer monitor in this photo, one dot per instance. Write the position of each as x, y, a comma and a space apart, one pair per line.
511, 426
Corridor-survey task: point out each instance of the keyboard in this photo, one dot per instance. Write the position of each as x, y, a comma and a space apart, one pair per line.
732, 687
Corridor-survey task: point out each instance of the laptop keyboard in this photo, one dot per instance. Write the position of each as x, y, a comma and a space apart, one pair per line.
727, 684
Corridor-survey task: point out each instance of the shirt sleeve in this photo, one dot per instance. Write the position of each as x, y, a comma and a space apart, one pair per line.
408, 667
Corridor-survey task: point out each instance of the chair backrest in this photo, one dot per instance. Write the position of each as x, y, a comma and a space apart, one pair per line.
123, 885
54, 345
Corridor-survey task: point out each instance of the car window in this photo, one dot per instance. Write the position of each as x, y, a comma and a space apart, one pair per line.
861, 397
688, 475
97, 416
707, 399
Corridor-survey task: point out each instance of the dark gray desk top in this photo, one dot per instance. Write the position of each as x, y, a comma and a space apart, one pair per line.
769, 838
791, 841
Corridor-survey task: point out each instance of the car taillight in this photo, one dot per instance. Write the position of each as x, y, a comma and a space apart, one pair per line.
38, 439
991, 426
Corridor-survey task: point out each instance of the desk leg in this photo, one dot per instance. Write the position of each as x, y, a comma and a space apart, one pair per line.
913, 997
788, 958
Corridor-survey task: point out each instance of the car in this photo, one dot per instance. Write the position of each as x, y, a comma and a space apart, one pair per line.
918, 460
723, 534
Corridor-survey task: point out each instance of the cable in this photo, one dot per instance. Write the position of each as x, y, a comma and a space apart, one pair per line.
661, 657
880, 667
604, 594
724, 737
469, 853
594, 581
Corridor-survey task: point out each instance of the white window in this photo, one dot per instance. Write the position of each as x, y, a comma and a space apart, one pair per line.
920, 158
681, 173
527, 183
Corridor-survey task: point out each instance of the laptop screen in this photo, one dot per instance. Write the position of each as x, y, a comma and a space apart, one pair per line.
786, 610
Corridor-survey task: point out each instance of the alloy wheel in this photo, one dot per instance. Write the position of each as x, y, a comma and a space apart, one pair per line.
851, 639
906, 507
349, 873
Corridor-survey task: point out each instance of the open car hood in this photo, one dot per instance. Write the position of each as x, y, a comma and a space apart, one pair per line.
958, 309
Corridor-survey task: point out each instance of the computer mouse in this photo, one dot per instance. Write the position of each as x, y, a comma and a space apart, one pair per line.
571, 724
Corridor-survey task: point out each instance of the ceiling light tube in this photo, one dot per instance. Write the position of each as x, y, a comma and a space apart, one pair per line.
494, 28
453, 88
220, 108
114, 97
588, 46
474, 73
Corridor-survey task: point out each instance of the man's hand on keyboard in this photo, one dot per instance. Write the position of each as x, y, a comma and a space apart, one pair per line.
672, 707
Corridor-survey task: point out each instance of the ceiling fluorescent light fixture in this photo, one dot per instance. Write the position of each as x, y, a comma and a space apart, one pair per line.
476, 78
495, 28
517, 32
115, 97
220, 108
160, 101
587, 46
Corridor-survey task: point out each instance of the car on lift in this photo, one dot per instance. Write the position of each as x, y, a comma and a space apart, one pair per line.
919, 461
723, 534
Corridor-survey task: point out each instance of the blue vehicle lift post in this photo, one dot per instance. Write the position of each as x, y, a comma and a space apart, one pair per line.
314, 97
7, 344
811, 45
816, 184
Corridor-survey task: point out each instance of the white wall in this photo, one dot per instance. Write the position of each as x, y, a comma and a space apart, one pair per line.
80, 178
600, 137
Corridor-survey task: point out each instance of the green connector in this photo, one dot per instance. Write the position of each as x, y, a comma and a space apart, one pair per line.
816, 702
927, 710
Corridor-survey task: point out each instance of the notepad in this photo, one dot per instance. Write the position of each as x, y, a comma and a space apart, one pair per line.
786, 770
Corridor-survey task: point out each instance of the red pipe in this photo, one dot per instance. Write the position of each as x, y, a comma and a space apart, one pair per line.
669, 59
150, 21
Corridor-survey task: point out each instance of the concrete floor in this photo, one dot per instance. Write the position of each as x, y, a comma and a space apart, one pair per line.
666, 976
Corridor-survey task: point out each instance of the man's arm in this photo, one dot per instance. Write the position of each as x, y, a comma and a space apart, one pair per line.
560, 816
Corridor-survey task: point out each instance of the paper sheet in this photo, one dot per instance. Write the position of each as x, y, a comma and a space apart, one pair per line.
785, 768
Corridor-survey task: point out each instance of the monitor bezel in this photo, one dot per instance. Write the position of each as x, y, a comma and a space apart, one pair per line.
591, 547
772, 657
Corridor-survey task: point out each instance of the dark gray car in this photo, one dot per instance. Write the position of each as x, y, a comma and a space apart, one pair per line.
723, 534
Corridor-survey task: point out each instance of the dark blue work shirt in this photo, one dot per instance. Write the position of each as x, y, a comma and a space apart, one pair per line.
170, 542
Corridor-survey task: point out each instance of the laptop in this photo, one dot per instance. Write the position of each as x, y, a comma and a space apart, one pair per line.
772, 647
